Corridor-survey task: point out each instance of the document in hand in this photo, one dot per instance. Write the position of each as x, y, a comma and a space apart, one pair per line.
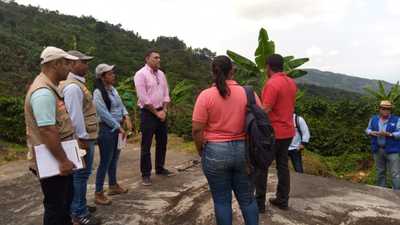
121, 141
48, 166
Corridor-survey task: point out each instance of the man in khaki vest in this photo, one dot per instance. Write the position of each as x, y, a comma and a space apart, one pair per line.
48, 123
82, 111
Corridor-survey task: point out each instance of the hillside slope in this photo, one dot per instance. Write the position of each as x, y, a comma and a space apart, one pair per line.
25, 30
338, 81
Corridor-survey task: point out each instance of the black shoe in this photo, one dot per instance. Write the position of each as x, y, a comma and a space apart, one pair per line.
280, 205
146, 181
91, 208
165, 172
86, 220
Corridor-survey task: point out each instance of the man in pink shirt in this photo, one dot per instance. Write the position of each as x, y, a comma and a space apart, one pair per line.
278, 98
153, 98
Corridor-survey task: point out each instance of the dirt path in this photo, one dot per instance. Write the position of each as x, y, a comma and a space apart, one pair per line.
185, 199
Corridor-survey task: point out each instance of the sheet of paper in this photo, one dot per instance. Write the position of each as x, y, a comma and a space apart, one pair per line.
48, 165
121, 141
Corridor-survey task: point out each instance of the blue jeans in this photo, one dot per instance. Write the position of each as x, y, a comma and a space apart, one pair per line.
109, 155
297, 162
391, 162
80, 180
224, 165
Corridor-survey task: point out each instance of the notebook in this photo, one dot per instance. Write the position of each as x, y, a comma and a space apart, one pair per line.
48, 166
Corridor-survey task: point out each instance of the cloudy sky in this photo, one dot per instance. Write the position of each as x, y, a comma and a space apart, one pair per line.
356, 37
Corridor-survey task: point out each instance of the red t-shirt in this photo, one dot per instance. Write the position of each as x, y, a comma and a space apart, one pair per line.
279, 94
224, 117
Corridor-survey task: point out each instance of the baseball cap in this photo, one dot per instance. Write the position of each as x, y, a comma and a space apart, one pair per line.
80, 55
51, 53
102, 68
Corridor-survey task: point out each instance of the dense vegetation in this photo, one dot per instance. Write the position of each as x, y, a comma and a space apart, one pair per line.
337, 118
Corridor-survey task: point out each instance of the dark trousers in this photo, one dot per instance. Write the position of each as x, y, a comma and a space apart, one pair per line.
58, 192
280, 149
297, 161
150, 125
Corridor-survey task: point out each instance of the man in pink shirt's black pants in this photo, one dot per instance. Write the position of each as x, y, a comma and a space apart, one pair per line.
153, 98
278, 99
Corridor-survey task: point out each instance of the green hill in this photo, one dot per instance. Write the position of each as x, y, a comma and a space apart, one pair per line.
25, 30
339, 81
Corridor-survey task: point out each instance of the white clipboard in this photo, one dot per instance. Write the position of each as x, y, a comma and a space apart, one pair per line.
121, 141
48, 166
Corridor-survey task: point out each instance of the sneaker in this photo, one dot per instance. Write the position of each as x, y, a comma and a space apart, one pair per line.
86, 220
91, 208
101, 199
278, 204
165, 172
116, 190
146, 181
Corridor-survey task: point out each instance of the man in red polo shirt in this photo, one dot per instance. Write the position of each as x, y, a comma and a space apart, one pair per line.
278, 98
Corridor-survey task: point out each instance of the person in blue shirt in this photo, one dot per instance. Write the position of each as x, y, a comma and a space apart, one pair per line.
112, 114
384, 130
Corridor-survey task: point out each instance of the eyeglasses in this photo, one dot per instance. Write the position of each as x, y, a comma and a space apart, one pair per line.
386, 109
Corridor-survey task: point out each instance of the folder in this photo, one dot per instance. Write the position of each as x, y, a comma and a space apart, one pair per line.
48, 166
121, 141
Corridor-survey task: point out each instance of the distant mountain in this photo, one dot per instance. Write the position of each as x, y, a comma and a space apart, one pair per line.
338, 81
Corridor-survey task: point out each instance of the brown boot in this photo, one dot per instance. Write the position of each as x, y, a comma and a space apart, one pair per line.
101, 199
116, 190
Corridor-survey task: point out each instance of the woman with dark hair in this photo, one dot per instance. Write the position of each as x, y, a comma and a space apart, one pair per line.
218, 130
112, 114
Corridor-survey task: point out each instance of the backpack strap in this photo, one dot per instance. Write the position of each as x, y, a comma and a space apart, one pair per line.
296, 120
251, 100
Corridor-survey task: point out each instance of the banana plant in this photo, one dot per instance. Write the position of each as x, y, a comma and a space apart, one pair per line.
380, 94
253, 73
181, 92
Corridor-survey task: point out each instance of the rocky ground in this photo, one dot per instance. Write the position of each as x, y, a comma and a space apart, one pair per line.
185, 199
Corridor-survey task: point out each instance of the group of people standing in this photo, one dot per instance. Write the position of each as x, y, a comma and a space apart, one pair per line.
59, 107
218, 130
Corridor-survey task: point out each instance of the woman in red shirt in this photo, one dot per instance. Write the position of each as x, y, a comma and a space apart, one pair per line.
218, 132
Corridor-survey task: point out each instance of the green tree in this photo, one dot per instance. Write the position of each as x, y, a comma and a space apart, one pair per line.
253, 73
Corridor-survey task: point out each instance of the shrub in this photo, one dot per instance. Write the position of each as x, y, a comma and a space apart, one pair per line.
12, 123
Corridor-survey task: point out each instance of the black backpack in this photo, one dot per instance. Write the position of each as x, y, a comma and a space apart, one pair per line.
260, 135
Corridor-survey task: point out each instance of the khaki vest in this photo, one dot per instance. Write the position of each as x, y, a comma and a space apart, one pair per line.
89, 109
63, 122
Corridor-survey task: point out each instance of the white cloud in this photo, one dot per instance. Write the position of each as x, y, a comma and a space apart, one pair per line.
291, 13
314, 51
333, 52
393, 7
355, 43
391, 47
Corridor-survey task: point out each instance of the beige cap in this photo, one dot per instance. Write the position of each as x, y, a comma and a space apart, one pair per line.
386, 104
102, 68
80, 55
52, 53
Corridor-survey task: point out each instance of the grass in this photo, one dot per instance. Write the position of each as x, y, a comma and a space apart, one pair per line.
11, 151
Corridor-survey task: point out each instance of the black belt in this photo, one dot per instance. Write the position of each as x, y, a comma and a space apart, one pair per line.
157, 109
